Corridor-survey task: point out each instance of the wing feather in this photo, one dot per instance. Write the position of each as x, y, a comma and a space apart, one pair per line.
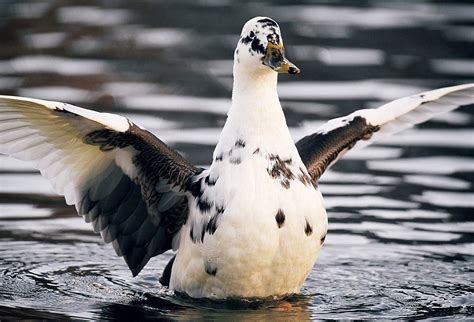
107, 167
363, 127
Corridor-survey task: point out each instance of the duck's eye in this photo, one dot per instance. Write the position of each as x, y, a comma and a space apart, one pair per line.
273, 38
252, 34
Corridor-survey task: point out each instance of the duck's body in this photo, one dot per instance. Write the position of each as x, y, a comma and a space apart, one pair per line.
256, 219
252, 224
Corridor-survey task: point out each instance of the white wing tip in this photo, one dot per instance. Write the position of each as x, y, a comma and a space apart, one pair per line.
438, 93
112, 121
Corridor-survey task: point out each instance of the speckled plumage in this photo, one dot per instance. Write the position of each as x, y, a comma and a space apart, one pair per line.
253, 223
249, 247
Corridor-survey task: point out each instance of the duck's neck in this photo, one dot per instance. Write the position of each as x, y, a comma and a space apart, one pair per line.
256, 114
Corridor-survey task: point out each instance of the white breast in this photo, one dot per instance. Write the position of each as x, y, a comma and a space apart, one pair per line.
269, 222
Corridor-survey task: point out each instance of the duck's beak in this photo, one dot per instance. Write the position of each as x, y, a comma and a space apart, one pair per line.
276, 60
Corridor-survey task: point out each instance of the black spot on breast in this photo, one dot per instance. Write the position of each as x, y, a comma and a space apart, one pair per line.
210, 269
210, 181
211, 226
195, 188
257, 151
204, 205
240, 143
220, 157
280, 170
323, 238
235, 160
308, 230
280, 218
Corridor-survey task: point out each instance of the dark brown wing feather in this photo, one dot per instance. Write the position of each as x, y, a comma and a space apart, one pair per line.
363, 127
319, 150
156, 209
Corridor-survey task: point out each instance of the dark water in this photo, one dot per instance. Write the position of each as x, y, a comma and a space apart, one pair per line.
401, 212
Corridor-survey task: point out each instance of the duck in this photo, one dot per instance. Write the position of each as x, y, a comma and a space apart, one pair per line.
249, 226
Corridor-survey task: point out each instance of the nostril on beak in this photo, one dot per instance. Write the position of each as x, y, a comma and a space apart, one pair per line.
293, 70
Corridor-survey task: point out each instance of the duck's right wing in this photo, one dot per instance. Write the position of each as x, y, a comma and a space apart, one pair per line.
120, 177
320, 150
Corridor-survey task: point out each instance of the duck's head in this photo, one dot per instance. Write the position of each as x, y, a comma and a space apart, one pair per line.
261, 47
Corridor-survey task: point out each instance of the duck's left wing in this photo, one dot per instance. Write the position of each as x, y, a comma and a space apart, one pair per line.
121, 178
363, 127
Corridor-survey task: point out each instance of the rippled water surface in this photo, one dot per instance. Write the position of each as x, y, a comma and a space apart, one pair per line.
400, 240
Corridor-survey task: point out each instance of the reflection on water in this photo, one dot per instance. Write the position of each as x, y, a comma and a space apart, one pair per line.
401, 232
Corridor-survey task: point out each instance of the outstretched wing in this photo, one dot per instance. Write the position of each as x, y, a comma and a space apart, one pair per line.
363, 127
121, 178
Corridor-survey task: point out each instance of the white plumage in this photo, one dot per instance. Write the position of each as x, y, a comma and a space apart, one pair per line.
252, 224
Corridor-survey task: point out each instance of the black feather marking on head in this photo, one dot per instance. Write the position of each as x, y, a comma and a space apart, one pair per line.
210, 269
257, 151
280, 218
308, 230
246, 40
266, 22
257, 46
